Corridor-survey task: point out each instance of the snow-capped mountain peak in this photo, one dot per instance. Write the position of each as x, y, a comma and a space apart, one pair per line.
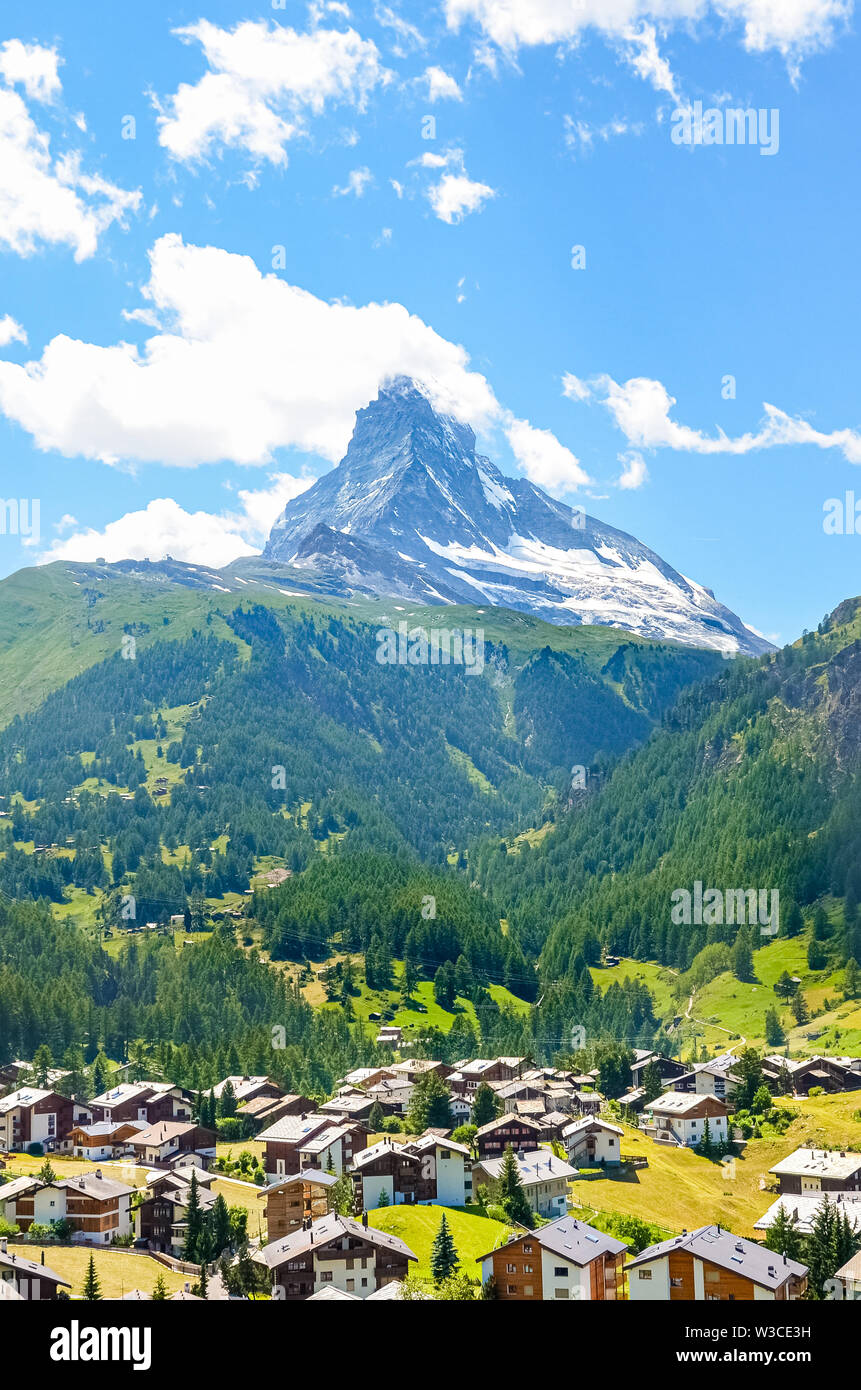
412, 510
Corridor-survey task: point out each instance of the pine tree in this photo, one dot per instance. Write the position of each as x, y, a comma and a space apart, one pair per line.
774, 1034
742, 956
793, 923
800, 1011
160, 1289
376, 1118
513, 1199
444, 1256
851, 979
485, 1106
220, 1225
784, 1237
193, 1223
652, 1081
92, 1289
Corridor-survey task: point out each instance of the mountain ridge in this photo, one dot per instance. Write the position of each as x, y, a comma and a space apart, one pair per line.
413, 511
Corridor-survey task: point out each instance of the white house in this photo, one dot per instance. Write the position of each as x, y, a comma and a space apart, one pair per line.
678, 1117
589, 1140
449, 1167
545, 1179
711, 1265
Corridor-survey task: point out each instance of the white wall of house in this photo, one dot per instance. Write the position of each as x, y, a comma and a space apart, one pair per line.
573, 1283
49, 1204
371, 1189
360, 1280
450, 1187
548, 1198
650, 1283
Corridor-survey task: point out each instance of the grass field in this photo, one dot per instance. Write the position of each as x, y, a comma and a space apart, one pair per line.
681, 1190
119, 1271
473, 1235
661, 981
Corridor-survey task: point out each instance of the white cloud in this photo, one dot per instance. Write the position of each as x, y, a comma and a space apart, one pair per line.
163, 528
641, 53
793, 28
581, 135
441, 86
34, 67
411, 37
262, 83
641, 409
47, 200
634, 472
11, 331
543, 459
456, 195
246, 364
357, 181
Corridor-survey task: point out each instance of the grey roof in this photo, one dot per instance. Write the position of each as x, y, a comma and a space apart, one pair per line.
731, 1252
293, 1128
577, 1241
538, 1165
507, 1120
804, 1207
328, 1291
306, 1175
30, 1267
379, 1150
320, 1233
94, 1186
17, 1187
436, 1141
819, 1163
389, 1292
587, 1123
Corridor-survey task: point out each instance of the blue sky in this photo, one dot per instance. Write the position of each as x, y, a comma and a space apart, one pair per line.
316, 197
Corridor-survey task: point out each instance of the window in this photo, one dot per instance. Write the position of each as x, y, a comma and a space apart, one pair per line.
527, 1269
511, 1269
527, 1290
326, 1276
527, 1247
561, 1293
351, 1284
644, 1274
560, 1272
511, 1288
676, 1283
712, 1276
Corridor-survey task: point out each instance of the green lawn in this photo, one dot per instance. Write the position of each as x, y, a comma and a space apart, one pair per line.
425, 1013
119, 1271
660, 980
680, 1189
417, 1226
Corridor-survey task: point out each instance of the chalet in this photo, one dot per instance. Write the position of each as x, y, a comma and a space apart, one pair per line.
347, 1107
96, 1208
390, 1036
332, 1149
709, 1079
247, 1088
262, 1111
297, 1200
587, 1102
34, 1116
679, 1118
338, 1251
26, 1279
668, 1067
819, 1170
544, 1177
450, 1166
392, 1169
589, 1141
103, 1140
367, 1076
708, 1265
161, 1218
393, 1096
142, 1100
565, 1260
848, 1276
804, 1209
634, 1099
415, 1068
510, 1092
552, 1126
288, 1143
461, 1110
831, 1073
517, 1131
165, 1140
468, 1076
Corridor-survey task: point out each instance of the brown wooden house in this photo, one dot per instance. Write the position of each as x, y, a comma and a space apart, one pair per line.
565, 1260
296, 1200
334, 1251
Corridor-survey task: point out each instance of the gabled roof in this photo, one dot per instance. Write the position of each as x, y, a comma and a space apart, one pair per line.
436, 1141
294, 1128
163, 1132
804, 1207
503, 1120
312, 1175
25, 1096
380, 1150
536, 1166
331, 1293
719, 1247
681, 1102
30, 1268
587, 1124
92, 1186
321, 1233
575, 1241
817, 1163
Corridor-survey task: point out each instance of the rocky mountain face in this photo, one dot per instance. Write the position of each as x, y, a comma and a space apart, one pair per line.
413, 511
